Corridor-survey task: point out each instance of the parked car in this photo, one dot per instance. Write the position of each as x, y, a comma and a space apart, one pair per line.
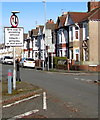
7, 60
27, 62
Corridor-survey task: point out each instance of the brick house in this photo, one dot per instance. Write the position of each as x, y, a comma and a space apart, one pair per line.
27, 45
50, 41
74, 34
82, 36
89, 42
25, 51
61, 37
37, 42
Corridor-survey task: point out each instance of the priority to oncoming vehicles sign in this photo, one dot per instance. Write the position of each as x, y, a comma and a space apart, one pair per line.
13, 36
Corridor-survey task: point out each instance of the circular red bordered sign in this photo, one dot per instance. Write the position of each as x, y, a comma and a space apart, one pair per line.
14, 20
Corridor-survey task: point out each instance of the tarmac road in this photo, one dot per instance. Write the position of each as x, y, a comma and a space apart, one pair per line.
75, 92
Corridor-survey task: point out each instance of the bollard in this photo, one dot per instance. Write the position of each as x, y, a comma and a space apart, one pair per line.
9, 81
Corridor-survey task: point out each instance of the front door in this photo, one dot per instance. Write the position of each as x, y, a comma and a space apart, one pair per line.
77, 57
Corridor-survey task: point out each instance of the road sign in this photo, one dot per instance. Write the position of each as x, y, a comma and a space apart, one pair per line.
13, 36
14, 21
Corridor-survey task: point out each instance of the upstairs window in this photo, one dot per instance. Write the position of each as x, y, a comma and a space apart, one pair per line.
85, 31
36, 42
76, 33
71, 34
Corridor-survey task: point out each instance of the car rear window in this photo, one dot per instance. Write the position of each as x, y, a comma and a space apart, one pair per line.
7, 57
29, 59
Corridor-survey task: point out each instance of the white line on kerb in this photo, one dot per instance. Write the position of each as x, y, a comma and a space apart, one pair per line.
44, 101
25, 114
5, 106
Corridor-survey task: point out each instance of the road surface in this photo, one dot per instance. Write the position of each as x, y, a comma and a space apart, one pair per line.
73, 94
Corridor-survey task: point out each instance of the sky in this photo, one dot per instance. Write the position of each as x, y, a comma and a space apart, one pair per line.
32, 13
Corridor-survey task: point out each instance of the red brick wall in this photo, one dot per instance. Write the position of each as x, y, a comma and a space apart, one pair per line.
87, 67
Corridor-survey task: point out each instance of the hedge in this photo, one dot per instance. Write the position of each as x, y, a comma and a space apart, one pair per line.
58, 58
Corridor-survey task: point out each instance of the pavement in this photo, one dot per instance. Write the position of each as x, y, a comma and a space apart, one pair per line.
23, 92
72, 71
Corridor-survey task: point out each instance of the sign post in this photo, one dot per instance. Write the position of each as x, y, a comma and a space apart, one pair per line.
14, 70
14, 38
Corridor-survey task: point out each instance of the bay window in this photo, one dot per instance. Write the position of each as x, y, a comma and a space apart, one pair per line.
85, 31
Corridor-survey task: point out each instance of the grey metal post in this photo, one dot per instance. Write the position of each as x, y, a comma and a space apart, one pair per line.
48, 61
45, 32
14, 70
9, 81
52, 60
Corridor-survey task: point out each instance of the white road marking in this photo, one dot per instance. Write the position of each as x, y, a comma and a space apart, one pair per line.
25, 114
89, 80
76, 78
82, 79
17, 102
44, 101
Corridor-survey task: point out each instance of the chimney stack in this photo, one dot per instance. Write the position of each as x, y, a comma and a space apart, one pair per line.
93, 5
50, 21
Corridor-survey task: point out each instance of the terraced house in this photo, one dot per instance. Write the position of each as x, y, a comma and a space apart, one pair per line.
78, 37
74, 36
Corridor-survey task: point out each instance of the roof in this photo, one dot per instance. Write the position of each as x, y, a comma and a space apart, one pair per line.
56, 26
93, 15
25, 35
34, 32
61, 21
50, 26
41, 27
83, 16
77, 16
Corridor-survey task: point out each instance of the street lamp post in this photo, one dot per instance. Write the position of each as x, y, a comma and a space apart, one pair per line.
44, 2
45, 34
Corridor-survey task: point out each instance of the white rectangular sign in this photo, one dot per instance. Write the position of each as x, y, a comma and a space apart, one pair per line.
51, 48
13, 36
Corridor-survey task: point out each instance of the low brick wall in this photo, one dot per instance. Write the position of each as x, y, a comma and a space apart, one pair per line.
38, 63
62, 67
86, 68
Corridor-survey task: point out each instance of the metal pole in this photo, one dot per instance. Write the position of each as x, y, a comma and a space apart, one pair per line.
9, 81
44, 33
43, 61
48, 61
14, 70
52, 60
